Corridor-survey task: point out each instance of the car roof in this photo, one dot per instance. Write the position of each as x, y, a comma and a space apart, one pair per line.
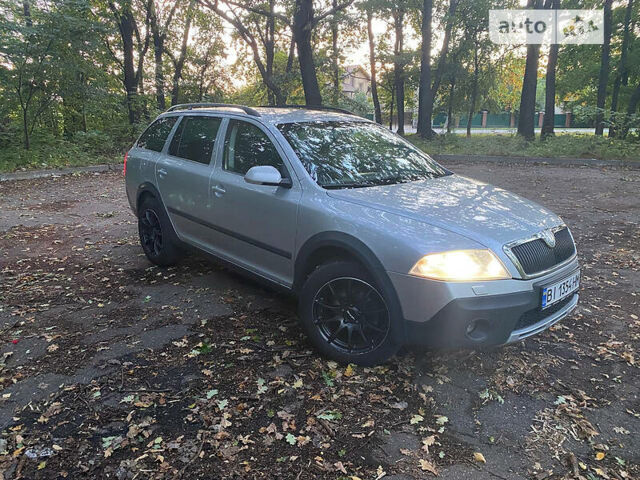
274, 115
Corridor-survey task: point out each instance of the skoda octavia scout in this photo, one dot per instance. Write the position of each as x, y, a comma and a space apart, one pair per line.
382, 245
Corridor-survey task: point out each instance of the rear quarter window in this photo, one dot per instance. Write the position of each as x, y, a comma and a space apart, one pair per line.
195, 138
156, 134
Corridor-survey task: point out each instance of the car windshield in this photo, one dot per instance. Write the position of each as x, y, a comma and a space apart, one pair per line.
357, 154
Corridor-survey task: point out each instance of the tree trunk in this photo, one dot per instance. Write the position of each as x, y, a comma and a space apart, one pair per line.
631, 110
372, 61
269, 47
550, 89
179, 64
526, 126
158, 50
398, 68
442, 61
130, 82
621, 73
425, 102
25, 129
393, 91
26, 8
452, 87
550, 94
335, 72
604, 69
302, 27
474, 93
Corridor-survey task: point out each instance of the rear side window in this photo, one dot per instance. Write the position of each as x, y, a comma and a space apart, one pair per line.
247, 146
154, 137
195, 138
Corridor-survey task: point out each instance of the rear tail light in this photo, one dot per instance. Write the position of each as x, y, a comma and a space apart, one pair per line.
124, 169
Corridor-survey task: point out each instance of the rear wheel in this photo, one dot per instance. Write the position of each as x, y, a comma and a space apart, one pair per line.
157, 237
347, 316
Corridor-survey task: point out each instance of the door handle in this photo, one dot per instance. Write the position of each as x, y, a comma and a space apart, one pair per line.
162, 172
218, 190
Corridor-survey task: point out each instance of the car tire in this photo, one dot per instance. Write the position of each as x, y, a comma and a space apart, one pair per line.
347, 316
157, 237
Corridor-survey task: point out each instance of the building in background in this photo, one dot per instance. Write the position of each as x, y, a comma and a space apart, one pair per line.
356, 79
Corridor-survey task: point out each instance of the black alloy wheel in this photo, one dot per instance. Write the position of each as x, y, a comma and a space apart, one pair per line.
351, 315
151, 233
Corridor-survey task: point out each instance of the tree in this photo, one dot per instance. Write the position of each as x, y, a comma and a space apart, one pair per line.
123, 15
28, 46
243, 25
398, 63
550, 88
179, 60
603, 78
372, 62
428, 91
622, 71
526, 126
160, 31
424, 89
304, 22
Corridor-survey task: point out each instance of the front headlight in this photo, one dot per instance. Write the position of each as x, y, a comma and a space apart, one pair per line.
461, 266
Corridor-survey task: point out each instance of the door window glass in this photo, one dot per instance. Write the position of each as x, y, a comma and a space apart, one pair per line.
195, 138
154, 137
246, 146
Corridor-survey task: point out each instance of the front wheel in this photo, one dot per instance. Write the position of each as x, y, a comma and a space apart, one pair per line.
347, 316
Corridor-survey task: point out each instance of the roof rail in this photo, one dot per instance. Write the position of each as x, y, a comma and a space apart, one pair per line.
312, 107
190, 106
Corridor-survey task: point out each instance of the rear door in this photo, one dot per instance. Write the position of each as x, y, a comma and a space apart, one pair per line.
183, 174
257, 223
142, 158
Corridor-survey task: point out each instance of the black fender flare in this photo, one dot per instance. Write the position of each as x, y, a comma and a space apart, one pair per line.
359, 250
147, 187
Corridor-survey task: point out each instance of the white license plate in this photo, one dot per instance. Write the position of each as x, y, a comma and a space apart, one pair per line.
554, 293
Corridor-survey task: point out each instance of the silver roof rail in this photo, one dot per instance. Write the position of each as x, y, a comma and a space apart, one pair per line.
190, 106
312, 107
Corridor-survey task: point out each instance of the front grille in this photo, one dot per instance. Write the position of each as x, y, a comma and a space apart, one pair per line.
536, 315
536, 256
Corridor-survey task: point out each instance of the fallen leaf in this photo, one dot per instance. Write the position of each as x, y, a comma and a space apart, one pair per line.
478, 457
427, 442
416, 419
427, 466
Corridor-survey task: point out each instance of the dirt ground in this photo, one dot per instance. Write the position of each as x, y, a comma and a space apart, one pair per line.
113, 368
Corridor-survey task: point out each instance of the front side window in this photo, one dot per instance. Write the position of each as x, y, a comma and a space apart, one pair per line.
246, 146
357, 154
195, 138
154, 137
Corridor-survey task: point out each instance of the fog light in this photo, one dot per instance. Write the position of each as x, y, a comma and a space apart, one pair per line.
477, 330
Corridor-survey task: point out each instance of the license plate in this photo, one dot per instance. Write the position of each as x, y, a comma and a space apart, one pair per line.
554, 293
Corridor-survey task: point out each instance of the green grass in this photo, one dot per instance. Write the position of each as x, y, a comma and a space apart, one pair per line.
566, 145
92, 148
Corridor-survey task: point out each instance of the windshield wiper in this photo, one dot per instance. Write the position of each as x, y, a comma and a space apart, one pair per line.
336, 186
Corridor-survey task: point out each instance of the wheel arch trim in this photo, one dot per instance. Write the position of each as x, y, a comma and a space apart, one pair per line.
360, 251
147, 187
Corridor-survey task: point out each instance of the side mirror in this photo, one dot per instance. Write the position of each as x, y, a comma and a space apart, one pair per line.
266, 175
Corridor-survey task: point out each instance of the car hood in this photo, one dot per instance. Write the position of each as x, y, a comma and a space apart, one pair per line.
482, 212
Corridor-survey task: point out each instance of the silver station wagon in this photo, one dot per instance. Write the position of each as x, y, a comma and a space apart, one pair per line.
383, 246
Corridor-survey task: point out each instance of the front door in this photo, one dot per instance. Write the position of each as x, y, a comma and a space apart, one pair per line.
183, 176
257, 222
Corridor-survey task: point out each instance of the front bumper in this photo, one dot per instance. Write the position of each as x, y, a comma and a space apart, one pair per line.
447, 314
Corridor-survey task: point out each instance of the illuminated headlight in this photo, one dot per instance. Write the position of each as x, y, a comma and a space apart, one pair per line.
461, 266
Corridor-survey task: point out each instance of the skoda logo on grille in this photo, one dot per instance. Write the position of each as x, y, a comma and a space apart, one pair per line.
549, 238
